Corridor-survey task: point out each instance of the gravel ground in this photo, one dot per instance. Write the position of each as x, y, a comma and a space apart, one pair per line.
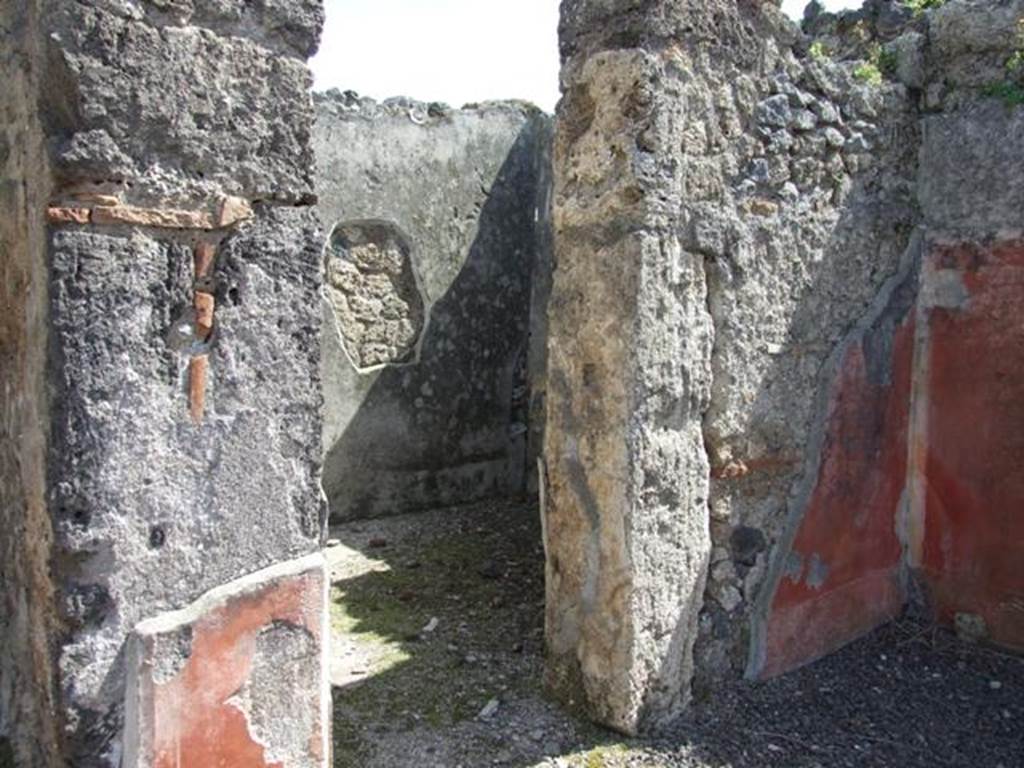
438, 621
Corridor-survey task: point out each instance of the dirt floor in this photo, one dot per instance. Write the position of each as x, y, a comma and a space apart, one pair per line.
438, 621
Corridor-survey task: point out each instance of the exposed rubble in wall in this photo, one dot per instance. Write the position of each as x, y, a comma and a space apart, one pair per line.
803, 211
435, 239
372, 290
185, 273
803, 179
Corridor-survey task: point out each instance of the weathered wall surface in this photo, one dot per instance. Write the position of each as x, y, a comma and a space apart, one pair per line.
184, 283
434, 227
797, 193
971, 531
27, 619
924, 514
965, 535
805, 216
790, 207
629, 372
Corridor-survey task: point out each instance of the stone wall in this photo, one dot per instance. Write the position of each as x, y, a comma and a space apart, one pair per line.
182, 469
436, 230
893, 511
27, 616
744, 221
776, 346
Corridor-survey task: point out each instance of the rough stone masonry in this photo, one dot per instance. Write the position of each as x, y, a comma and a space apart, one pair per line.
774, 358
164, 595
781, 348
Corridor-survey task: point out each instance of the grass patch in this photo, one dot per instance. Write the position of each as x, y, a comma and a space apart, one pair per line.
819, 51
1011, 90
437, 679
881, 63
1010, 93
350, 750
604, 756
868, 73
920, 6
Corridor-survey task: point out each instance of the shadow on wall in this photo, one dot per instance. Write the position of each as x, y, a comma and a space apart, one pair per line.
452, 428
810, 546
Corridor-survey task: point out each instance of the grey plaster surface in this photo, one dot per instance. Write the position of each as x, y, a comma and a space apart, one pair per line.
166, 106
448, 423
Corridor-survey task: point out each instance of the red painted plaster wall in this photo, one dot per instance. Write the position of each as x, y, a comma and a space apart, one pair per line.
972, 556
843, 577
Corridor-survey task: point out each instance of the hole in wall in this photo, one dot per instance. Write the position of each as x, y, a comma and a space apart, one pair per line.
374, 294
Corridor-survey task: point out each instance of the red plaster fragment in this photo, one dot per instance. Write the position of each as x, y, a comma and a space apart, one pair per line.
189, 719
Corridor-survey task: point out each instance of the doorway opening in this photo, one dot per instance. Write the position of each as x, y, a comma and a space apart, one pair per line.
437, 256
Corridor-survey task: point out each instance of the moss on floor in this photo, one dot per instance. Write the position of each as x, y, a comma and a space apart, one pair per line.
604, 756
483, 585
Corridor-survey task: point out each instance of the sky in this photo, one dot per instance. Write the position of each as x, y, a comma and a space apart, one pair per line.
455, 51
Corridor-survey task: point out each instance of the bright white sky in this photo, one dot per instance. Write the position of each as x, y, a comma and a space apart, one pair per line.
455, 51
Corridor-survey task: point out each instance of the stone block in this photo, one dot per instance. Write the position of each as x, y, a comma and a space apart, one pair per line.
962, 153
626, 472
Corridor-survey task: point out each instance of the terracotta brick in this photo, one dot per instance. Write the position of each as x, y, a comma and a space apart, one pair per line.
204, 255
67, 215
152, 217
233, 210
197, 369
204, 305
